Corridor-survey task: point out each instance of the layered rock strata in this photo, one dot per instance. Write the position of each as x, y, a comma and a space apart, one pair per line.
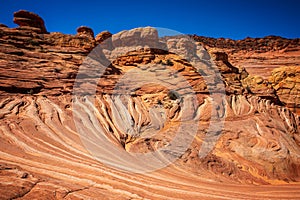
61, 96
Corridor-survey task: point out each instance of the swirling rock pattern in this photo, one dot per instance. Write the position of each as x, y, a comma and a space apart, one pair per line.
42, 153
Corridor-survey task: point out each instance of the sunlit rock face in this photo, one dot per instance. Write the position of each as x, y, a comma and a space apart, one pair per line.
30, 21
273, 58
286, 82
258, 55
140, 117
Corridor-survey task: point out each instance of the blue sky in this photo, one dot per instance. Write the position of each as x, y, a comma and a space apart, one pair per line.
235, 19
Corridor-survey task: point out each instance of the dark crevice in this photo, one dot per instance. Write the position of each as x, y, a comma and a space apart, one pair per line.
77, 190
20, 90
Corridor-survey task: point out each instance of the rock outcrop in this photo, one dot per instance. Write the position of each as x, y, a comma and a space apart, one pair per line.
30, 20
136, 37
258, 55
286, 82
85, 31
65, 101
102, 36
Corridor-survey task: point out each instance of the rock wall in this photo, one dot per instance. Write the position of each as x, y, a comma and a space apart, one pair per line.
258, 55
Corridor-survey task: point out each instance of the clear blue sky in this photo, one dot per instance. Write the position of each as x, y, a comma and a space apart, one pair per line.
235, 19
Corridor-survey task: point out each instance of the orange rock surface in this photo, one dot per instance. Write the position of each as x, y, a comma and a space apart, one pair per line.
258, 55
144, 96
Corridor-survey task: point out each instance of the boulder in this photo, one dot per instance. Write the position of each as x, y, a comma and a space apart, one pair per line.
136, 37
25, 18
85, 31
286, 82
102, 36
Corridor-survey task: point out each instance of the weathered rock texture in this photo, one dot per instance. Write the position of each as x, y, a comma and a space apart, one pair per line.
103, 36
258, 55
286, 82
30, 20
86, 31
43, 156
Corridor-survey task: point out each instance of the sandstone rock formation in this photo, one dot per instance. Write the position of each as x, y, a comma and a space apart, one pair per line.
286, 82
103, 36
28, 19
146, 89
258, 55
136, 37
85, 31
